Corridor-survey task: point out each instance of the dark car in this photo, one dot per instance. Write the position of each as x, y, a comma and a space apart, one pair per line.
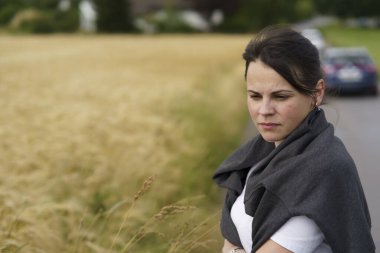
349, 71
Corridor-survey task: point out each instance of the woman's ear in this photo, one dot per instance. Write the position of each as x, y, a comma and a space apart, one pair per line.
320, 93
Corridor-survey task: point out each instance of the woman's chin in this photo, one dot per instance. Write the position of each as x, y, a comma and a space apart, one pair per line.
272, 139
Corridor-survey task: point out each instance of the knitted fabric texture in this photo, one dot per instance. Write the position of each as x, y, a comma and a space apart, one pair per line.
310, 173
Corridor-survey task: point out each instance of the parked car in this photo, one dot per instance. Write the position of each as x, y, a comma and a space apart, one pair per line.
349, 70
315, 37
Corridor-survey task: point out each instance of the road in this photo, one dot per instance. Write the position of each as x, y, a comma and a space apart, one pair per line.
357, 123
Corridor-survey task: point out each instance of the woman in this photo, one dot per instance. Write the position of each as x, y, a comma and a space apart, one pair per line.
294, 187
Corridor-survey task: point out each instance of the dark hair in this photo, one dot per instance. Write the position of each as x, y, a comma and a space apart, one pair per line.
290, 54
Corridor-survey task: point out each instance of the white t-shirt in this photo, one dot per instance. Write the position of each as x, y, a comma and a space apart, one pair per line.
299, 234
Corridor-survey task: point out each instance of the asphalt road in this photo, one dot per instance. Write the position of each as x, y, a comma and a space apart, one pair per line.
357, 123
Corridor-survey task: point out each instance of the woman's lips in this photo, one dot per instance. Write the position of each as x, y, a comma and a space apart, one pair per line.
268, 126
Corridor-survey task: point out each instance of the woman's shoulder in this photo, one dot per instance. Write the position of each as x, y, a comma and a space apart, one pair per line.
319, 169
325, 154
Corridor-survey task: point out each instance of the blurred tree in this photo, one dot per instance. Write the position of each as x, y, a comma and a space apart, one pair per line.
348, 8
42, 4
8, 8
253, 15
39, 16
207, 7
114, 16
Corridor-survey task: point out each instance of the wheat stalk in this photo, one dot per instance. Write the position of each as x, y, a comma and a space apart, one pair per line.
145, 187
165, 212
184, 237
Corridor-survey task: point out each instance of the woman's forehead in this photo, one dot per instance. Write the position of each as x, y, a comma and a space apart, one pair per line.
263, 77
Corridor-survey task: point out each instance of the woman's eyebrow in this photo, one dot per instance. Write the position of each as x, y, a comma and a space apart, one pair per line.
274, 92
283, 91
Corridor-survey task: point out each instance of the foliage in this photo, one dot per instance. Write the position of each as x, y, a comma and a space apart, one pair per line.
348, 8
8, 10
168, 21
114, 16
254, 15
34, 21
42, 23
38, 16
67, 21
42, 4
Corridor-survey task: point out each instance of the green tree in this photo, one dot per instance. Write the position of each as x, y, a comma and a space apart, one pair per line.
114, 16
254, 15
48, 17
348, 8
42, 4
9, 8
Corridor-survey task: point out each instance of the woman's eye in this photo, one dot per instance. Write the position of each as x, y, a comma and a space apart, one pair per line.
281, 97
255, 97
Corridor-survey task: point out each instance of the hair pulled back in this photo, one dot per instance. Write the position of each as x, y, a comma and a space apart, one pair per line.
290, 54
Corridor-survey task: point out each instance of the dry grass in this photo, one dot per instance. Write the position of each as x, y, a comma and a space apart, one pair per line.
85, 120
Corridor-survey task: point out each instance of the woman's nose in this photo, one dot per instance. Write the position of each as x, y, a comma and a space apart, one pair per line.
266, 107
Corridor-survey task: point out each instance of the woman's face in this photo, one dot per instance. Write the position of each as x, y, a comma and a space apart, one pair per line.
275, 106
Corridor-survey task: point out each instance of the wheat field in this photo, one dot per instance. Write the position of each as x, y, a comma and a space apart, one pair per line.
108, 143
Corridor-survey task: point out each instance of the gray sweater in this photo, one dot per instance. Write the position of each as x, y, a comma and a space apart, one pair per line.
310, 173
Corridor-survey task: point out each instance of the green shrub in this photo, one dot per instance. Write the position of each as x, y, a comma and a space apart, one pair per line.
7, 12
67, 21
171, 23
34, 21
114, 16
